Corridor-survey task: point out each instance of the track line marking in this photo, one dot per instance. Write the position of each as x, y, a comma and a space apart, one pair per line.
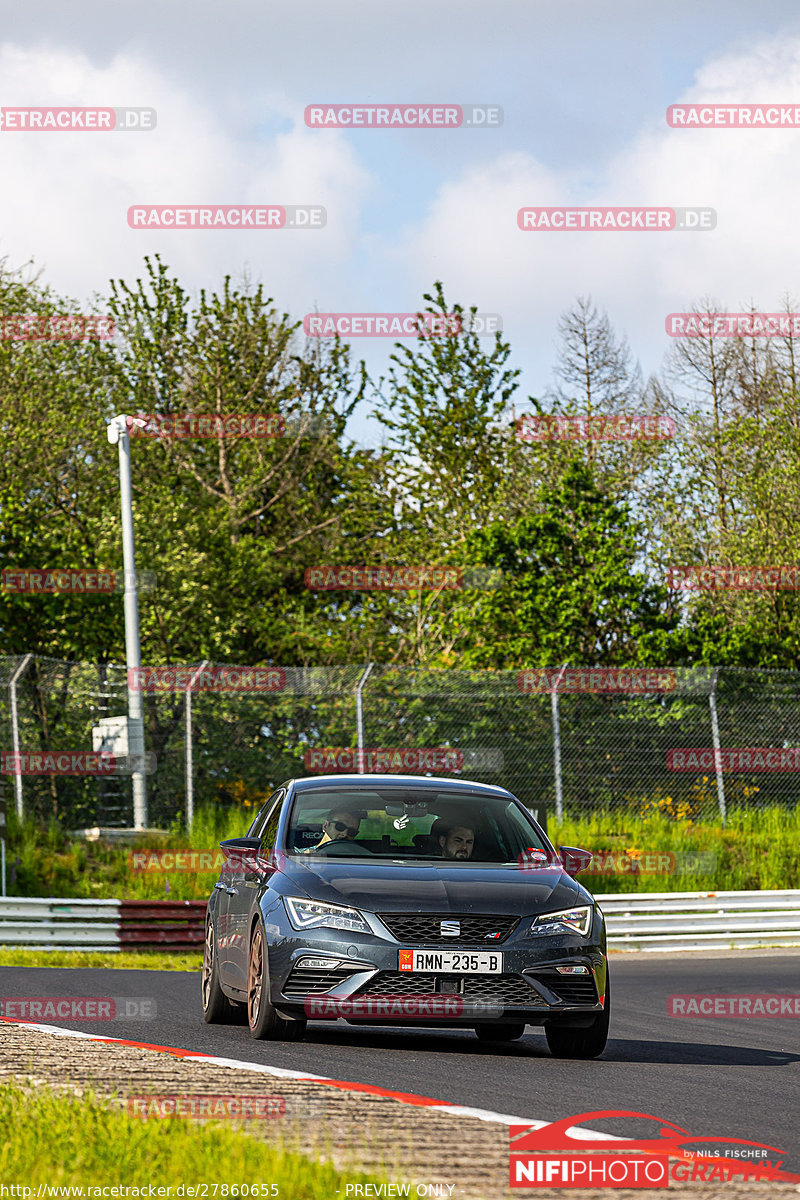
411, 1098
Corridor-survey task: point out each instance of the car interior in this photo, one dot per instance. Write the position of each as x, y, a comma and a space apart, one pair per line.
410, 825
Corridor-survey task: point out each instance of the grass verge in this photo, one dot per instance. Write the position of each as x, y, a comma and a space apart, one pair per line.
56, 1139
126, 960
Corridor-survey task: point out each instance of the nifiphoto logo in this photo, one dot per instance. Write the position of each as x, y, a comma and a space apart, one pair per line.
733, 324
403, 116
567, 1154
619, 427
400, 324
227, 216
616, 219
83, 120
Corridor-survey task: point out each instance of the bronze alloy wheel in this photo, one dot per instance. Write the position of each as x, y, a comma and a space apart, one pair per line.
262, 1017
255, 977
208, 964
217, 1008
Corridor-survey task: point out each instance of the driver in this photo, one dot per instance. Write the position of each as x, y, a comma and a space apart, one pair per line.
342, 825
457, 841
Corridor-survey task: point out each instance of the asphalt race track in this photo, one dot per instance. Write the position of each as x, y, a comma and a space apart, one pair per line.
713, 1076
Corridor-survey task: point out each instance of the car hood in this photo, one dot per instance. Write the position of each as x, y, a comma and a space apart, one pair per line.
431, 887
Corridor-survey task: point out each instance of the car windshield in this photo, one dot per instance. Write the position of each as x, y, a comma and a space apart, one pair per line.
408, 824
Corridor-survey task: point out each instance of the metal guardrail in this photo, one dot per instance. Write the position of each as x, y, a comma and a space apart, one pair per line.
701, 920
635, 921
49, 924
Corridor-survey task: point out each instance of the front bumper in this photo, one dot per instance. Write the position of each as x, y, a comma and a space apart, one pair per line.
356, 976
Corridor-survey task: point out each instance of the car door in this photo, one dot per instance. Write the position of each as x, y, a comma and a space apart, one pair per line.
242, 885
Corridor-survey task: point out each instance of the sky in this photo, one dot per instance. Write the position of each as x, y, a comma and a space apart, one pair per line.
584, 88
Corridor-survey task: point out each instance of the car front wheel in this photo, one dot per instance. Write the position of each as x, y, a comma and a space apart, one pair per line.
262, 1017
581, 1043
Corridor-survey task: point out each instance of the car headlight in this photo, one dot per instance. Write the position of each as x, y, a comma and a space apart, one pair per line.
568, 920
311, 914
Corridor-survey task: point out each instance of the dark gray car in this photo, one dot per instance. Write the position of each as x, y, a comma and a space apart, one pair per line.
400, 900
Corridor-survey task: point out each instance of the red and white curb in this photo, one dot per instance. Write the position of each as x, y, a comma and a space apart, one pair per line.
345, 1085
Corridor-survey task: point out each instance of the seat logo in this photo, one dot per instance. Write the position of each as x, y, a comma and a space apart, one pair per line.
450, 928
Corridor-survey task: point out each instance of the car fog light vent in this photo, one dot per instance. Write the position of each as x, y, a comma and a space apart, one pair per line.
318, 964
573, 970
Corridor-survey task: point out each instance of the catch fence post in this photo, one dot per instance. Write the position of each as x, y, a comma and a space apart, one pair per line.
712, 704
12, 696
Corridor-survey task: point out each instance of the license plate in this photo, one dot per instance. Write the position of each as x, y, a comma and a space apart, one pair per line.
450, 962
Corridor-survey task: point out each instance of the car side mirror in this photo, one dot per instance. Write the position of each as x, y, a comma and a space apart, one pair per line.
244, 856
574, 859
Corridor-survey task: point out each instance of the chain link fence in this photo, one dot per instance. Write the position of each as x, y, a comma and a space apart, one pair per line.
699, 743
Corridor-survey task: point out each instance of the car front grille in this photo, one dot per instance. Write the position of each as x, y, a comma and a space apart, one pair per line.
304, 982
425, 929
570, 989
502, 989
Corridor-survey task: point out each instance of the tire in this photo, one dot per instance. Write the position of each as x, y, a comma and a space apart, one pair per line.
217, 1009
581, 1043
500, 1033
264, 1021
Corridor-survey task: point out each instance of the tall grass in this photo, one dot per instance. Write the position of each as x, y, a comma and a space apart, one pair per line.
757, 850
56, 1139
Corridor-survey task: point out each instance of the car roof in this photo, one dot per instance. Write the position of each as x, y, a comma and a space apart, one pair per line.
370, 782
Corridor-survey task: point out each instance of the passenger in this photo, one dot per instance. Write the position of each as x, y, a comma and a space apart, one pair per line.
457, 841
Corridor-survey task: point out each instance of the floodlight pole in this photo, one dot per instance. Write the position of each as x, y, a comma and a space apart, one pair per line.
118, 435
